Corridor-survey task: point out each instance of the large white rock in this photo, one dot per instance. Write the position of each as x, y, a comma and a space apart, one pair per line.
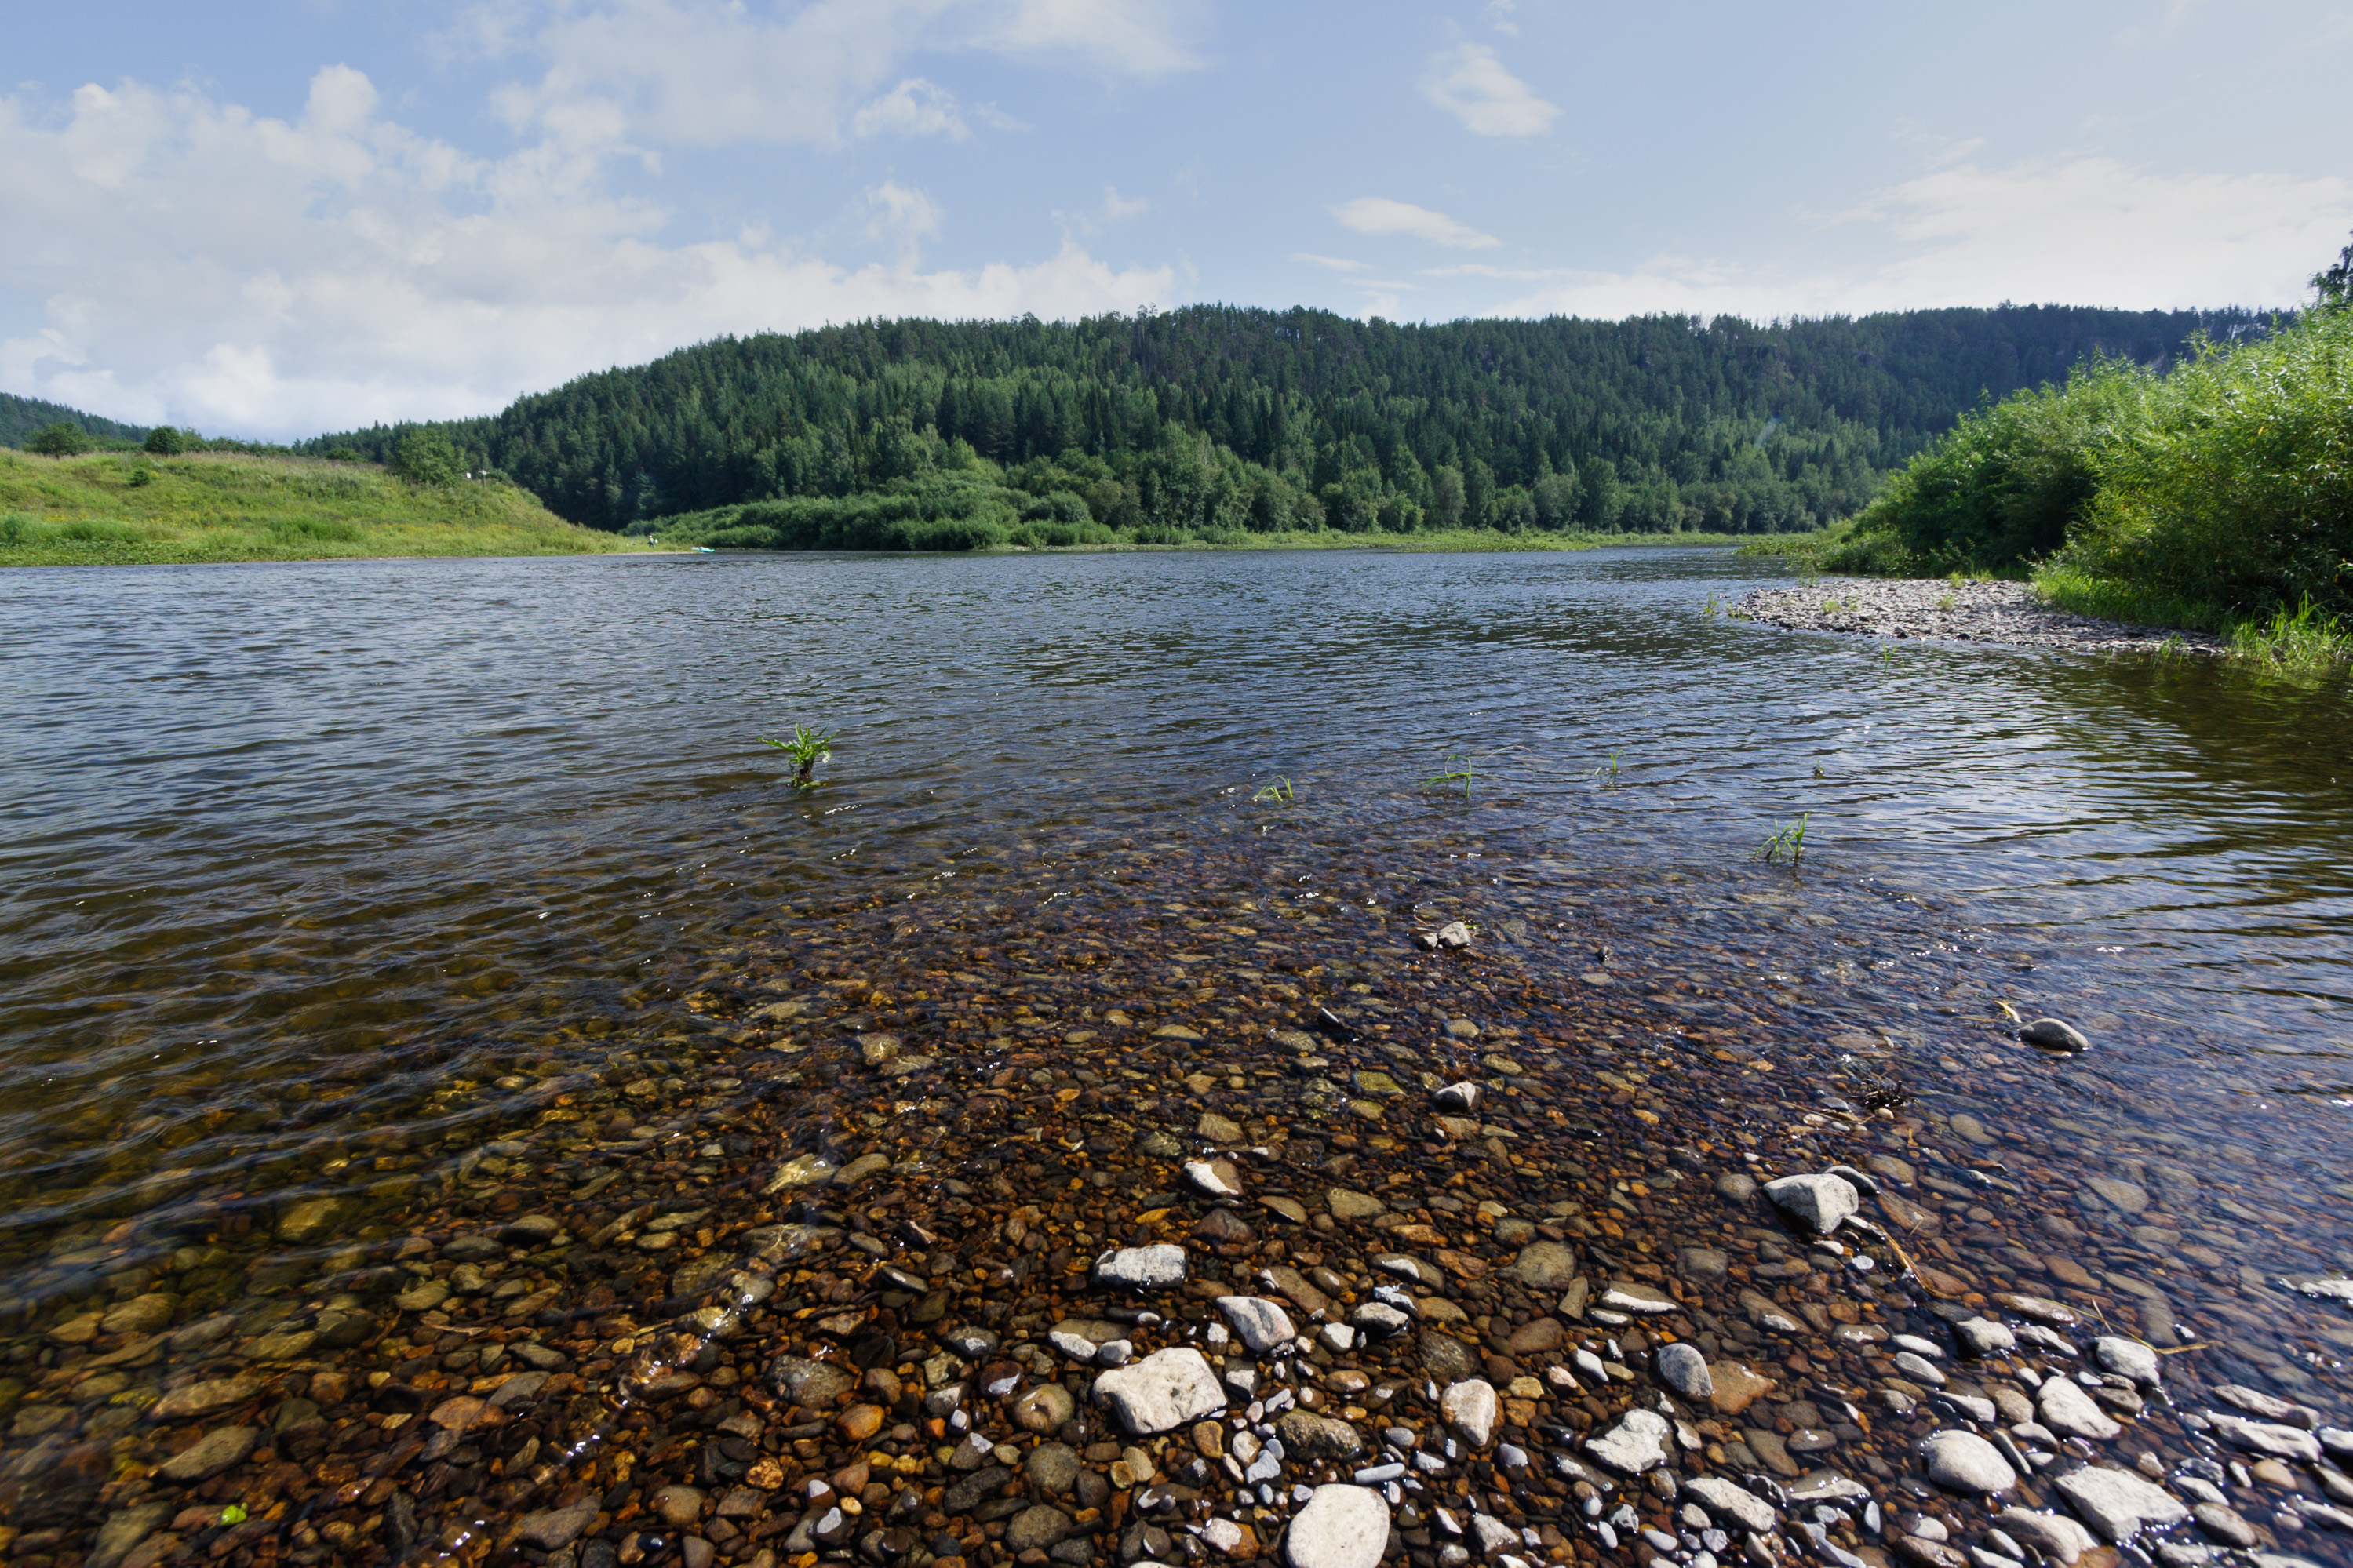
2054, 1533
1967, 1462
1164, 1391
1341, 1527
1636, 1444
1821, 1204
1682, 1368
1262, 1325
1724, 1501
2267, 1437
1141, 1267
2067, 1410
1471, 1408
2129, 1358
2117, 1503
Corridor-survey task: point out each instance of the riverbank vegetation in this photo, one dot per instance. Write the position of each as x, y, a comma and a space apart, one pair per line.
2217, 494
1218, 424
132, 508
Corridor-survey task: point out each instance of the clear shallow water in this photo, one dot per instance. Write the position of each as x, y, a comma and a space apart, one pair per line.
288, 852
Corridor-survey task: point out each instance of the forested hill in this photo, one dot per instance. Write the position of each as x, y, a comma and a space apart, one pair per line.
20, 417
1212, 418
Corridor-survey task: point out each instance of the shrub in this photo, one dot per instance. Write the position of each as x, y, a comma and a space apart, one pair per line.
62, 439
2236, 489
165, 442
424, 455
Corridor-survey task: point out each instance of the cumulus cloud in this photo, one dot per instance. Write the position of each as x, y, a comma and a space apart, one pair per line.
2085, 231
707, 73
177, 258
1470, 83
1379, 214
2099, 231
913, 108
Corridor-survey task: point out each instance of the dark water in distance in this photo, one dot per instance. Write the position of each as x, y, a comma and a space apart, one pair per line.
283, 849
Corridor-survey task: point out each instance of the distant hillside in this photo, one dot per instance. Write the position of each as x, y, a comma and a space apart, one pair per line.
1214, 419
117, 509
20, 417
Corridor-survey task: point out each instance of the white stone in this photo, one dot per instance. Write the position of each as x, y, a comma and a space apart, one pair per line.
1493, 1534
1967, 1462
2067, 1410
1919, 1369
1216, 1178
1341, 1527
1471, 1408
1983, 1336
1821, 1204
2118, 1503
1339, 1336
1222, 1534
2128, 1358
1724, 1501
1164, 1391
1379, 1318
1262, 1325
1141, 1267
2054, 1533
1639, 1299
1637, 1443
2267, 1437
1682, 1368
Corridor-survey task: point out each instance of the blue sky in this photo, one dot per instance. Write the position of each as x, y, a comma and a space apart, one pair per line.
292, 215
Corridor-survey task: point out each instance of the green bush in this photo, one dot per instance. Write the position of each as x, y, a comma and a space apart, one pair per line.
424, 455
2235, 490
2006, 487
165, 442
62, 439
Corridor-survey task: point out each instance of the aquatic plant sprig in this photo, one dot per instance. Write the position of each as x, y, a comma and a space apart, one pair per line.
809, 749
1606, 772
1788, 843
1459, 769
1277, 791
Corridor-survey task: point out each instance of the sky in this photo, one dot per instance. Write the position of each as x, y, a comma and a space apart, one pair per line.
290, 217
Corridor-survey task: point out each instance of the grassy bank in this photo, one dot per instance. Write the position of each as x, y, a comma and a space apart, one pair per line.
2216, 497
116, 509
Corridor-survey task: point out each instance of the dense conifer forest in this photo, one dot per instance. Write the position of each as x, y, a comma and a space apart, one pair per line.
21, 417
1212, 420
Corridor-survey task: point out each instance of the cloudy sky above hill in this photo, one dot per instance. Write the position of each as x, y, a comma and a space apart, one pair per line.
302, 214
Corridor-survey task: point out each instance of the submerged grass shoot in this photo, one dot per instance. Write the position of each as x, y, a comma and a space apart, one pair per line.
1787, 844
1457, 769
809, 750
1277, 791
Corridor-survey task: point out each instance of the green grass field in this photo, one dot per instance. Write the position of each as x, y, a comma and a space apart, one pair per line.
95, 511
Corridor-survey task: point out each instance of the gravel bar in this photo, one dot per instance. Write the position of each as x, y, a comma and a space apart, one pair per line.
2005, 613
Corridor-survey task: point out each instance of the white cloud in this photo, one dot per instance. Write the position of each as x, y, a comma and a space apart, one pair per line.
2087, 231
901, 215
1379, 214
913, 108
199, 263
1137, 37
706, 73
1336, 263
2095, 231
1470, 83
1116, 206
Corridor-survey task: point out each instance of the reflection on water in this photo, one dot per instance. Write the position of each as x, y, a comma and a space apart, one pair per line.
319, 876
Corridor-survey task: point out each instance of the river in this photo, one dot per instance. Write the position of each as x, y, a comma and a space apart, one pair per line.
347, 904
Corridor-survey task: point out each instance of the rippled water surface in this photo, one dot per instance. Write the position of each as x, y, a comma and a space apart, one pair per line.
312, 877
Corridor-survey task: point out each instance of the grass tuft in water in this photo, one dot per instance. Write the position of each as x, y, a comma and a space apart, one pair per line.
1607, 773
1459, 769
809, 749
1788, 843
1277, 791
2299, 644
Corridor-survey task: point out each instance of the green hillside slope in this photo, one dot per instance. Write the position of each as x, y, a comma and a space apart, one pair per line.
219, 506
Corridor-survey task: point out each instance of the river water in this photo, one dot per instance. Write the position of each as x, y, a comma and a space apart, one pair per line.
328, 884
